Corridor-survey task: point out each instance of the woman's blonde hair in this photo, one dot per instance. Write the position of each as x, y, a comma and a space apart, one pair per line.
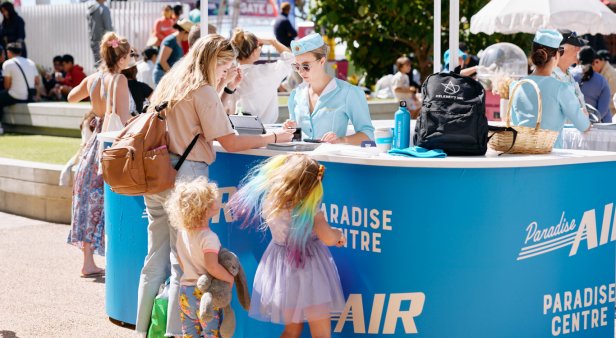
190, 203
195, 70
113, 48
320, 52
244, 42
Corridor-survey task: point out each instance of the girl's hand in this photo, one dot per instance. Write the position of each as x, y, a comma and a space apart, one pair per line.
341, 241
289, 124
330, 137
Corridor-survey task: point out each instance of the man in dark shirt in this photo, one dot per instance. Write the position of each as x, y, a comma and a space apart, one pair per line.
283, 29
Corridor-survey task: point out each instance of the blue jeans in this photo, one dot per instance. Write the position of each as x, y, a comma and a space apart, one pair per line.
162, 257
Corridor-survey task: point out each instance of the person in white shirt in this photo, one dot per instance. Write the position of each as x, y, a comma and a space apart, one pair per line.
401, 86
146, 67
258, 91
20, 77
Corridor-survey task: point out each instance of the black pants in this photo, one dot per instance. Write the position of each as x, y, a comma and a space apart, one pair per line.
7, 100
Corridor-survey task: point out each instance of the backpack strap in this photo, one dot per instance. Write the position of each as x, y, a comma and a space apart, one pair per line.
186, 152
497, 129
161, 115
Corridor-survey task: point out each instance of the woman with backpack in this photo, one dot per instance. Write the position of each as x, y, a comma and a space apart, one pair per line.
87, 224
559, 100
194, 109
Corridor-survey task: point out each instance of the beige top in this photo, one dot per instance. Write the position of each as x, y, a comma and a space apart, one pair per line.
191, 248
201, 112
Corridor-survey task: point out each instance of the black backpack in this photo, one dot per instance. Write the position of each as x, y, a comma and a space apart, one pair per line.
453, 115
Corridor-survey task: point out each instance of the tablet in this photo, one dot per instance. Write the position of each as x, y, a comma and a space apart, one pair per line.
247, 125
293, 146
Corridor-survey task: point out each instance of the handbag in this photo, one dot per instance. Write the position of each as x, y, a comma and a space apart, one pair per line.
112, 121
521, 139
158, 321
31, 91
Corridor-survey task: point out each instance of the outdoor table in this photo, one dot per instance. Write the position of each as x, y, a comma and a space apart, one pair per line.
489, 246
594, 139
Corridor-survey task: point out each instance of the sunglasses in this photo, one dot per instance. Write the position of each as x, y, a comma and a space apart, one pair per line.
303, 66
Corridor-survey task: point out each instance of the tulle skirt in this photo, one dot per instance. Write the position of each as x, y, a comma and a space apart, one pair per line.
284, 294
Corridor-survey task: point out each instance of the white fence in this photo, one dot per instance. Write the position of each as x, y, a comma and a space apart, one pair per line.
63, 29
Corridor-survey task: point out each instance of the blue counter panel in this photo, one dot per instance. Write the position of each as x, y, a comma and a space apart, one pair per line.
432, 252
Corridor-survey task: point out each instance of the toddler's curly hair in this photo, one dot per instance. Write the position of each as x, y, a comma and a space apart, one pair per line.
190, 201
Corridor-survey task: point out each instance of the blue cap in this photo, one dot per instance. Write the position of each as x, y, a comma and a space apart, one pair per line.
307, 43
548, 37
446, 56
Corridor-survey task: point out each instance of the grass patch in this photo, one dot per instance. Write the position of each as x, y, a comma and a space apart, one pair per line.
38, 148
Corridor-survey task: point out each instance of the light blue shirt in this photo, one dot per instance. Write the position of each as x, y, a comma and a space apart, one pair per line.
567, 78
339, 103
559, 103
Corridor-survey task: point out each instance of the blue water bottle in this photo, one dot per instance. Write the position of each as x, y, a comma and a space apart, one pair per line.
402, 127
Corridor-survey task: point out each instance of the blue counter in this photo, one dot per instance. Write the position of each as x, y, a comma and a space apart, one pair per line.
510, 246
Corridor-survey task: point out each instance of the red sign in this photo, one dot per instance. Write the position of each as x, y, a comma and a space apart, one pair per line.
266, 8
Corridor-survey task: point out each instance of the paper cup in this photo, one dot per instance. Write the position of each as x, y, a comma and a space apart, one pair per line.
383, 139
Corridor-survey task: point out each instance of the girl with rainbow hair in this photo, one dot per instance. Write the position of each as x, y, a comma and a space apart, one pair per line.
297, 280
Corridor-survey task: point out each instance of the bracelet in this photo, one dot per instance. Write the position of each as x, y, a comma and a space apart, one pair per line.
275, 138
229, 91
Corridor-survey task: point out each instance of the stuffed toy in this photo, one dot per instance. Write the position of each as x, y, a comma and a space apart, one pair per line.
217, 293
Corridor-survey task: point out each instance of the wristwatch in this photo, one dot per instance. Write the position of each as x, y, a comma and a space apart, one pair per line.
229, 91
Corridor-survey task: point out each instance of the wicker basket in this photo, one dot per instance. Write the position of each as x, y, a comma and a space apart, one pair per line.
520, 139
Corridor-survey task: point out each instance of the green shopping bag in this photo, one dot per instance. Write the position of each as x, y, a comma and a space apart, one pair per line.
158, 323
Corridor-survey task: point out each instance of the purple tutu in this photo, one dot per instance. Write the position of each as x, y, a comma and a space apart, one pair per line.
285, 294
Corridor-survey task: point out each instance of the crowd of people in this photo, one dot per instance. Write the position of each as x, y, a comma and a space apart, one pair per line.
198, 85
203, 79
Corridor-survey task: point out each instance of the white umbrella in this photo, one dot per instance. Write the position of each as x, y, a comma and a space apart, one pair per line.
526, 16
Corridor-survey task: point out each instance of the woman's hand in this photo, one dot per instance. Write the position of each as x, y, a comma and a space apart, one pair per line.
265, 41
289, 124
331, 137
283, 135
234, 77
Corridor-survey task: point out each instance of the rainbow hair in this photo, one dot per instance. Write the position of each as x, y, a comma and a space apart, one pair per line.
264, 184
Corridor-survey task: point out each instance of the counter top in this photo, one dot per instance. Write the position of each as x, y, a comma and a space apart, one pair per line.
355, 155
344, 154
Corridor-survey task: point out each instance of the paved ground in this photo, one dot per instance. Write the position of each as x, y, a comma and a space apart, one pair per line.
41, 293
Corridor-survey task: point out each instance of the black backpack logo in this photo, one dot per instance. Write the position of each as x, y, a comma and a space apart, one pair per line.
451, 88
452, 116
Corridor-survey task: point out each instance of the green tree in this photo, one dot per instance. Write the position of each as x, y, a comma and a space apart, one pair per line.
378, 32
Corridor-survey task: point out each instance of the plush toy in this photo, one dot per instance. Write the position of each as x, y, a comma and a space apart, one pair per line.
217, 293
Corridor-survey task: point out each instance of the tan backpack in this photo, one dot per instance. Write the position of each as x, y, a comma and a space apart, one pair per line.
138, 161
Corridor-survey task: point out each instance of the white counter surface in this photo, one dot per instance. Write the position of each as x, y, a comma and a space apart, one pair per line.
348, 154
